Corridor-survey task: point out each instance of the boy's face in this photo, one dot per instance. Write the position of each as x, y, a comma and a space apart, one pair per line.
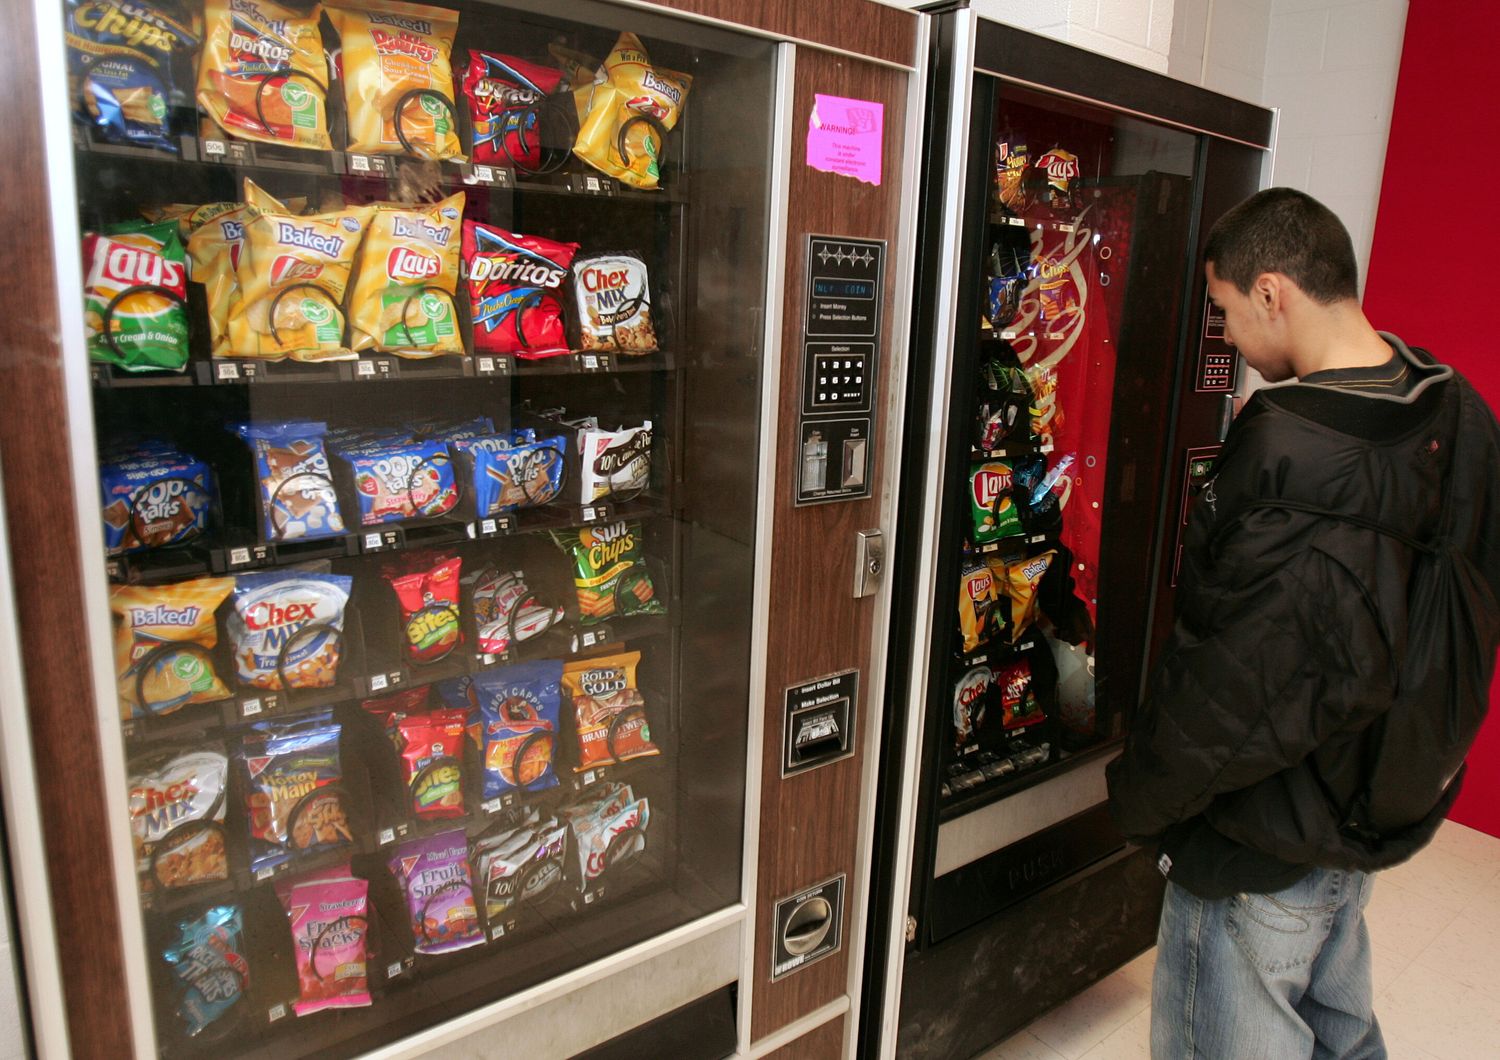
1252, 323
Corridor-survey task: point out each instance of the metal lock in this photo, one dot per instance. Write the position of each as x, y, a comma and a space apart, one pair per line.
869, 562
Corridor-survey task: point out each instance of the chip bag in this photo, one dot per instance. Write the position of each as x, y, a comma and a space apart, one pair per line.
432, 756
163, 638
1011, 162
293, 789
1018, 702
976, 603
208, 963
609, 571
297, 498
398, 78
292, 275
134, 311
609, 709
612, 296
287, 629
508, 101
177, 817
433, 873
408, 275
124, 61
630, 114
263, 75
518, 708
329, 917
971, 702
430, 618
991, 504
1018, 583
215, 235
514, 283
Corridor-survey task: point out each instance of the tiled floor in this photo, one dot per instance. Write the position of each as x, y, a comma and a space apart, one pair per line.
1435, 922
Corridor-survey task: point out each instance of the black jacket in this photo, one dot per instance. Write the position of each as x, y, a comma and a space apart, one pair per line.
1269, 716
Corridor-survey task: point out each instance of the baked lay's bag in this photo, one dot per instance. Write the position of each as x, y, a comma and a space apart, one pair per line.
1018, 583
408, 275
398, 78
125, 58
263, 75
292, 275
164, 635
630, 114
216, 236
134, 314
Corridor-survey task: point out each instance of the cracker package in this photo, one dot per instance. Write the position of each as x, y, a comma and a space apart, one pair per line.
398, 78
294, 797
612, 300
263, 75
292, 275
431, 621
177, 817
287, 628
164, 638
630, 114
609, 709
125, 59
135, 315
403, 293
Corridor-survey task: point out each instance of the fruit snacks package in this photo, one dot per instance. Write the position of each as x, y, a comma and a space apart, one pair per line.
511, 102
630, 114
177, 817
506, 611
431, 621
518, 708
433, 873
398, 78
288, 628
292, 275
408, 275
208, 963
164, 636
609, 710
215, 239
609, 829
1018, 702
397, 480
297, 498
507, 473
328, 913
609, 571
612, 297
971, 703
991, 504
514, 284
432, 758
976, 603
293, 789
263, 75
125, 59
613, 465
154, 500
517, 864
134, 311
1018, 584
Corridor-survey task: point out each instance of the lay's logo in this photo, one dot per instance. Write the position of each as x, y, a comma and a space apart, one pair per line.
289, 268
403, 263
128, 266
1060, 165
989, 486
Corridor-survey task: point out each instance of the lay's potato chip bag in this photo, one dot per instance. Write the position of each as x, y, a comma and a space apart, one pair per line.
408, 274
134, 314
216, 237
398, 78
163, 636
263, 75
630, 114
292, 274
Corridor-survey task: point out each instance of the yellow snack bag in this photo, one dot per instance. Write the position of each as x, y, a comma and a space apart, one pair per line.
582, 72
262, 75
215, 233
630, 115
398, 78
402, 300
163, 638
292, 274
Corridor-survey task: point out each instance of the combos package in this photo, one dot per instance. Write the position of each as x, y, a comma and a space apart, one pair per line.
518, 864
209, 970
629, 113
609, 571
518, 708
431, 621
153, 498
609, 710
177, 817
508, 102
287, 628
329, 916
125, 62
263, 75
515, 283
398, 78
133, 290
408, 275
293, 789
297, 498
612, 300
433, 873
164, 639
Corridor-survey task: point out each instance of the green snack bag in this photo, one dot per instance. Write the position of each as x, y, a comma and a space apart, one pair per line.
993, 508
609, 572
133, 309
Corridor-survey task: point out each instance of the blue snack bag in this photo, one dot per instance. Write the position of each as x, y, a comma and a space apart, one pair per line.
297, 497
518, 708
521, 471
122, 62
294, 791
154, 499
210, 967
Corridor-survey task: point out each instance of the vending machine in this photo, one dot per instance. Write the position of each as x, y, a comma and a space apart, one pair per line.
1076, 391
449, 459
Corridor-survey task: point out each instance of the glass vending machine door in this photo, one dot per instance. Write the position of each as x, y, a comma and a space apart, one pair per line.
406, 327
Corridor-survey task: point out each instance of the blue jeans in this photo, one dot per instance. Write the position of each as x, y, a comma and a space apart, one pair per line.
1267, 976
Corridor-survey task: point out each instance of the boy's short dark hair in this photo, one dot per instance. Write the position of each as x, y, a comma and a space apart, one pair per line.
1287, 231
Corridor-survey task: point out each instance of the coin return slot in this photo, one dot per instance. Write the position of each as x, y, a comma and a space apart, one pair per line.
808, 926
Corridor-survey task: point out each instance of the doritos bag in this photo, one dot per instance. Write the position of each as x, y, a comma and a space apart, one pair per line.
398, 80
124, 60
263, 75
216, 238
514, 286
506, 102
292, 275
630, 115
163, 638
134, 313
408, 274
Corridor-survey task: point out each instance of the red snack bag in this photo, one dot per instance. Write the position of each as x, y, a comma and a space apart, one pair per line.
514, 283
431, 621
393, 708
505, 98
1018, 701
432, 750
329, 918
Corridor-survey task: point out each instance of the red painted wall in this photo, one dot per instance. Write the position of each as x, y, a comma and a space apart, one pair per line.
1445, 137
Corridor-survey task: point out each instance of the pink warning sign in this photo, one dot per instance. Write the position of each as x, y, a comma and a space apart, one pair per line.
846, 136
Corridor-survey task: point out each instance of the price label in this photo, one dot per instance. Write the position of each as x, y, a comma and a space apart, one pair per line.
249, 708
498, 931
98, 375
373, 542
232, 151
265, 874
590, 362
226, 370
492, 366
378, 683
387, 836
492, 806
393, 969
114, 569
1016, 222
276, 1012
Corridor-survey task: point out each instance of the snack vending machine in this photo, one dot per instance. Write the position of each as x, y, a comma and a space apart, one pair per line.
410, 525
1061, 347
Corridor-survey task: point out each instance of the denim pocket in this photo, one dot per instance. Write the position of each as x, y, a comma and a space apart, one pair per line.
1277, 935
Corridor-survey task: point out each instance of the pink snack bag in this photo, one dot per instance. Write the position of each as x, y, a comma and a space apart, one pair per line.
329, 916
